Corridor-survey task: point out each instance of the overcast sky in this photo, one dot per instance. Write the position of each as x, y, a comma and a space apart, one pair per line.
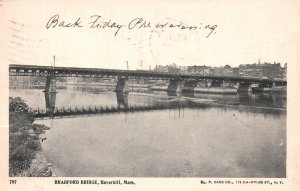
245, 31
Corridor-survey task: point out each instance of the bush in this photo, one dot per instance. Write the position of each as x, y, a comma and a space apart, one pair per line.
19, 116
17, 105
22, 150
20, 121
20, 159
22, 145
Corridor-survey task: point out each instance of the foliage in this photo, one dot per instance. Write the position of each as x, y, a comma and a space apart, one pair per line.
18, 105
20, 157
20, 121
23, 145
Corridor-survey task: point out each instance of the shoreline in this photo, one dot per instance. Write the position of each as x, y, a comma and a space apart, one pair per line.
26, 157
39, 166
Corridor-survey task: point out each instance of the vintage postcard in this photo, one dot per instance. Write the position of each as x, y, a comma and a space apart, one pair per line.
145, 95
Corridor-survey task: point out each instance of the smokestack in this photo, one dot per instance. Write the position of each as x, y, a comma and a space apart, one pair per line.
53, 61
127, 66
141, 64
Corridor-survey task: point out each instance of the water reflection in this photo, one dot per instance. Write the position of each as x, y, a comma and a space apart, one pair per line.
259, 103
172, 93
240, 135
122, 100
169, 143
277, 100
263, 100
50, 99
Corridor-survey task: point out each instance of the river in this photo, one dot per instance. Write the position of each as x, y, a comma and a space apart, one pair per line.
245, 139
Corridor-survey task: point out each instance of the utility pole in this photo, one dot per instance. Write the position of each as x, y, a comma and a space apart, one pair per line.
53, 73
141, 64
127, 65
53, 61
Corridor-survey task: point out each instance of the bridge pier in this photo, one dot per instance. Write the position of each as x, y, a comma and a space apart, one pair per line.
50, 99
50, 95
122, 100
175, 86
189, 86
206, 83
50, 84
243, 87
122, 85
261, 87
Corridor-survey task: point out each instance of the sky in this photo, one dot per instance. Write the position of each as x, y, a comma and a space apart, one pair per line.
245, 32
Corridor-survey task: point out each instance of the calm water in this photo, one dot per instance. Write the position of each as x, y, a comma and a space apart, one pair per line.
245, 140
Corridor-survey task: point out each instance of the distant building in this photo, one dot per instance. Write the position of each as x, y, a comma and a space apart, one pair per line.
235, 71
201, 70
172, 68
250, 70
217, 71
260, 70
160, 68
272, 71
284, 72
265, 71
225, 71
183, 69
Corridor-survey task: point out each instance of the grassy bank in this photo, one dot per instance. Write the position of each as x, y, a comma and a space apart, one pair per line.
25, 152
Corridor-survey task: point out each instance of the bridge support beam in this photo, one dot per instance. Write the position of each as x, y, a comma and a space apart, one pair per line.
175, 86
261, 87
50, 84
50, 99
50, 95
122, 85
243, 87
189, 86
122, 100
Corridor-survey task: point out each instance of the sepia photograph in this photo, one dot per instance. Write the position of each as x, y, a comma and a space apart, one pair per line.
172, 121
113, 91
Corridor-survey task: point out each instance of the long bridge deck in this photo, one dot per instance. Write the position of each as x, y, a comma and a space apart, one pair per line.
34, 70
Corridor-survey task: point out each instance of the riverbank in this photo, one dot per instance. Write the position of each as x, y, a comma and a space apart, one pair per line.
26, 157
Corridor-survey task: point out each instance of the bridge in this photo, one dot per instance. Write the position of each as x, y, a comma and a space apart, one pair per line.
186, 82
182, 83
34, 70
